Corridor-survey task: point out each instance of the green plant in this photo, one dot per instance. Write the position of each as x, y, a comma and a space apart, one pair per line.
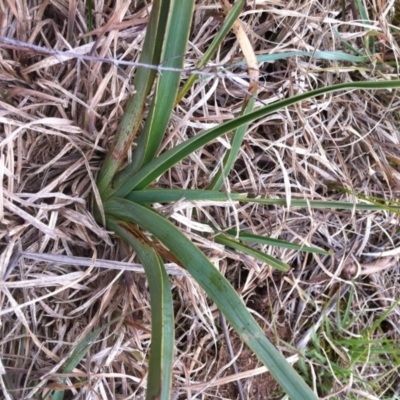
125, 206
338, 356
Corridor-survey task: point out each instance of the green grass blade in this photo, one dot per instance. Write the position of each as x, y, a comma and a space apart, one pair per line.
225, 28
336, 205
383, 204
376, 325
150, 196
89, 13
143, 82
257, 254
76, 357
218, 289
159, 380
252, 238
347, 45
321, 55
80, 350
368, 40
165, 161
176, 37
321, 204
231, 154
317, 55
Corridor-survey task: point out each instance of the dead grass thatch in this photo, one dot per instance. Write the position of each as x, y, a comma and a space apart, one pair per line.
63, 276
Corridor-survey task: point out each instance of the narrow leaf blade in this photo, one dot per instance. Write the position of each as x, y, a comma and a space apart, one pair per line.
155, 168
177, 20
143, 82
252, 238
76, 357
149, 196
234, 244
231, 154
223, 31
162, 313
219, 290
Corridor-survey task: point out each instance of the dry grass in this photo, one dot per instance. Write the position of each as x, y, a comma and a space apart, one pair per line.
58, 115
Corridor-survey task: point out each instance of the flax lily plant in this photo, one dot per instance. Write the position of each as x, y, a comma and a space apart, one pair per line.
126, 196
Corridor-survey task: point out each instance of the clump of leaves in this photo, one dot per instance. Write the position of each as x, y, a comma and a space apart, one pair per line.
126, 196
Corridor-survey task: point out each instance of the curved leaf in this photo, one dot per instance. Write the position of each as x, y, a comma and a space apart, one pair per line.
149, 196
162, 313
232, 153
257, 254
252, 238
76, 356
167, 160
219, 290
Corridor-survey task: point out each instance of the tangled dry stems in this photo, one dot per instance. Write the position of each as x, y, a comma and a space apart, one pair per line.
58, 116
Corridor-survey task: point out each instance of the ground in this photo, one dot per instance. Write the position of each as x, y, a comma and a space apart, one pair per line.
62, 275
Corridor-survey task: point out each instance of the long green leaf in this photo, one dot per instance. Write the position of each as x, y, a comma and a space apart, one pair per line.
89, 19
369, 40
76, 357
143, 82
319, 204
231, 154
322, 55
384, 204
316, 55
223, 31
252, 238
162, 313
218, 289
257, 254
178, 20
165, 161
150, 196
